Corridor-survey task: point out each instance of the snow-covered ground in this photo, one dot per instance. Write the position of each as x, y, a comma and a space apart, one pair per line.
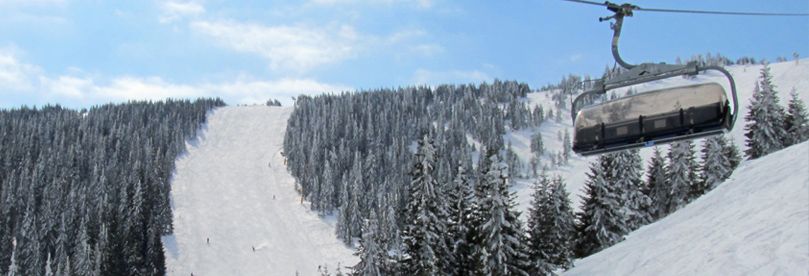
232, 187
755, 223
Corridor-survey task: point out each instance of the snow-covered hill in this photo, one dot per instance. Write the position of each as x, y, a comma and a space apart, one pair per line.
233, 188
756, 223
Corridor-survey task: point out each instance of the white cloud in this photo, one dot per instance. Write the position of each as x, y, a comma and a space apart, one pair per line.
175, 10
424, 4
427, 50
576, 57
15, 75
32, 2
151, 88
405, 35
428, 77
69, 87
22, 83
283, 89
127, 88
297, 48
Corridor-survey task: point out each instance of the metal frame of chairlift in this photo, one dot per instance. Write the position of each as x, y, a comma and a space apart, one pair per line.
644, 73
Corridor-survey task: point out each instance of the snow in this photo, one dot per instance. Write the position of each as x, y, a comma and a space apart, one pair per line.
223, 190
757, 222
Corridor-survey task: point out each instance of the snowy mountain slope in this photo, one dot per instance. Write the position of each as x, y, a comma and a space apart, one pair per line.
756, 223
233, 188
786, 75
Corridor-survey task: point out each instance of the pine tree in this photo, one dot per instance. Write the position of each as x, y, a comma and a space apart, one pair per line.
461, 204
765, 131
326, 202
551, 226
537, 149
796, 121
424, 245
716, 166
13, 269
733, 156
628, 181
601, 222
681, 175
536, 226
31, 262
501, 233
371, 254
657, 188
343, 227
566, 146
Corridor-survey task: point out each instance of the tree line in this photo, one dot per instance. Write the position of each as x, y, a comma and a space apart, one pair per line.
86, 192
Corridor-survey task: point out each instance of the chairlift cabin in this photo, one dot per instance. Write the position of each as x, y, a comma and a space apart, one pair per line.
654, 117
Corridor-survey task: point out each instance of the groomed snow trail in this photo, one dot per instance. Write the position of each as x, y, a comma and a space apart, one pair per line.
223, 191
756, 223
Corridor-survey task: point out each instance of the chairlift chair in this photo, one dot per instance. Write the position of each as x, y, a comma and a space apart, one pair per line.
654, 117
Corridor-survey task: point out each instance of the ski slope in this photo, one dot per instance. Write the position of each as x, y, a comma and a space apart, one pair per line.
756, 223
232, 187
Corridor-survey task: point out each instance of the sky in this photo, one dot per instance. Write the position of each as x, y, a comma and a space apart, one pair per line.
84, 53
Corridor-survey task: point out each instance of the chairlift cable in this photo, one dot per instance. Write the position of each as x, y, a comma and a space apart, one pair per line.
636, 8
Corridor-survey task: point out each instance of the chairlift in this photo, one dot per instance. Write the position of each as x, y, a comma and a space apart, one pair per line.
654, 117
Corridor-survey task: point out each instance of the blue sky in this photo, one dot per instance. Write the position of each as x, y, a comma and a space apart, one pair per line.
81, 53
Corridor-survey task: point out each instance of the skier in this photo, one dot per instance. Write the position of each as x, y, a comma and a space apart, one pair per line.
208, 241
254, 249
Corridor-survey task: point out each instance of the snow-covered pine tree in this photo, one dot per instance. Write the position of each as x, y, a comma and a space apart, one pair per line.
31, 262
372, 256
513, 160
733, 155
354, 208
501, 233
326, 196
601, 223
681, 175
537, 149
13, 268
539, 116
388, 227
628, 181
716, 166
551, 226
343, 226
765, 130
566, 146
461, 203
537, 224
423, 229
83, 257
796, 122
